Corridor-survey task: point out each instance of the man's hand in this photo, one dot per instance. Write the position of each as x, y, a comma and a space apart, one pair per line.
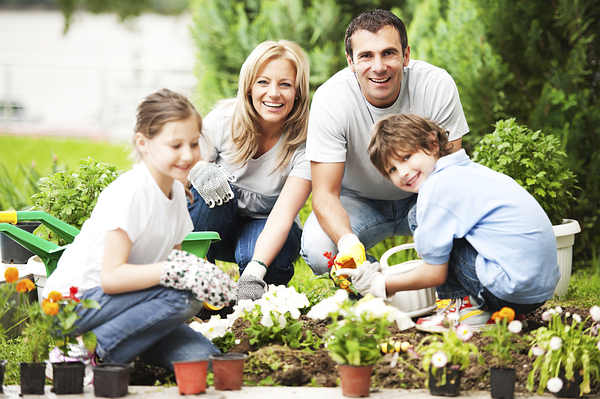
368, 279
185, 271
351, 252
212, 183
251, 284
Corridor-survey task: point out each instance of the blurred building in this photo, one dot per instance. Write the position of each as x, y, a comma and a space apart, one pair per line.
89, 81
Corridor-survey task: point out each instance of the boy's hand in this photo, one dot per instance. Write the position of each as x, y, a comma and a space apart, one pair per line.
368, 279
251, 284
185, 271
212, 183
351, 252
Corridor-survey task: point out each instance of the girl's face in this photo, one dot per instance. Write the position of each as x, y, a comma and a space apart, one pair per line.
171, 154
274, 91
409, 171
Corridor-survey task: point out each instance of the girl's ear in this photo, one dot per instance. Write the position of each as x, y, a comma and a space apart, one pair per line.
141, 142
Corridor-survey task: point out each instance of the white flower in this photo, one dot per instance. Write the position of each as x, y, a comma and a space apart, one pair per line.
554, 385
439, 359
577, 318
453, 316
547, 315
559, 310
595, 313
515, 326
552, 311
568, 314
537, 351
328, 306
555, 343
213, 328
463, 332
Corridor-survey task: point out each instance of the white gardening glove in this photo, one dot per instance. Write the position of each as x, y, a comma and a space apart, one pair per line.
368, 279
185, 271
212, 183
251, 284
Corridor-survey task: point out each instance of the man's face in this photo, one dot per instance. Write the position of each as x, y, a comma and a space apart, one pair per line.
378, 63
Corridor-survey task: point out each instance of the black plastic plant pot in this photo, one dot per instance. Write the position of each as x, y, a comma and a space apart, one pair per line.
68, 378
33, 378
2, 368
452, 385
570, 387
12, 251
502, 383
111, 380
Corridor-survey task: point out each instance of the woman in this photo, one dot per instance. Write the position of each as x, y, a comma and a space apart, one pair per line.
256, 179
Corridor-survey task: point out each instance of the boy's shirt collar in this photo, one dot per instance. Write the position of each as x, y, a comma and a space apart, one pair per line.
458, 157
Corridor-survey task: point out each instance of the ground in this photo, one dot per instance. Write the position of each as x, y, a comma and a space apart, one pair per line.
276, 364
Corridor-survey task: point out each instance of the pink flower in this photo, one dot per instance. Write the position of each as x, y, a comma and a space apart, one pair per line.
464, 332
546, 316
439, 359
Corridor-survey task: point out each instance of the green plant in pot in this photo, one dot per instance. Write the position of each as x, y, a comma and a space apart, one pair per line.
536, 162
72, 195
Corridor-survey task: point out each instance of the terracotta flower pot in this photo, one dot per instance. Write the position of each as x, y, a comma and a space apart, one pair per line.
228, 369
452, 385
111, 380
68, 377
356, 380
33, 378
2, 368
502, 383
191, 376
570, 387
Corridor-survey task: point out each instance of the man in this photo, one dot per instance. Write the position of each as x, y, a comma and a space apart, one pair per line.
354, 207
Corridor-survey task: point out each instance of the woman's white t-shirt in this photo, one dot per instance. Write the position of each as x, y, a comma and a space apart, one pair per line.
135, 204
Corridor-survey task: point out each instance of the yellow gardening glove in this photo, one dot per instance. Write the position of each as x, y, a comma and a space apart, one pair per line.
351, 254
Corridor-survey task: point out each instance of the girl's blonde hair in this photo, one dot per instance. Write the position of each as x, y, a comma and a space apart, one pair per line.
158, 109
404, 133
245, 128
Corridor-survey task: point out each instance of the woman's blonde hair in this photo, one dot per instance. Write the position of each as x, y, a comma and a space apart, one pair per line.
245, 127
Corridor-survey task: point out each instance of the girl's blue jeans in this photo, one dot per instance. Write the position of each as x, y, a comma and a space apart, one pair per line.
462, 277
149, 323
238, 238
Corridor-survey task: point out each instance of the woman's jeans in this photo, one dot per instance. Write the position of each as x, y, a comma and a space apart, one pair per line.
462, 277
238, 238
149, 323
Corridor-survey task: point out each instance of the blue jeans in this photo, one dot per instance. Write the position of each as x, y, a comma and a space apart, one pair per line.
149, 323
372, 221
238, 238
462, 277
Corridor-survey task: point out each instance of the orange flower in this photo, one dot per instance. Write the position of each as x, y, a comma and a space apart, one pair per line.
11, 274
507, 313
55, 296
50, 308
25, 285
496, 317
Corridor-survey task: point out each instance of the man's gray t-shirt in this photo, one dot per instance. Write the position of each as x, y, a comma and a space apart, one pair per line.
341, 119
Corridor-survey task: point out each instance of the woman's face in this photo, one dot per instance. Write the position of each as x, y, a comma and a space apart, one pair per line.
274, 92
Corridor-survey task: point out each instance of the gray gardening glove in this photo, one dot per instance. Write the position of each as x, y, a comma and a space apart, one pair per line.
368, 279
185, 271
251, 284
212, 183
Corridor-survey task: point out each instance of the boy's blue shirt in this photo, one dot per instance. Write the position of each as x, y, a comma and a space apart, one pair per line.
514, 238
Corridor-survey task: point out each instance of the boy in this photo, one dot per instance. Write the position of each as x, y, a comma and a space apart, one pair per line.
485, 241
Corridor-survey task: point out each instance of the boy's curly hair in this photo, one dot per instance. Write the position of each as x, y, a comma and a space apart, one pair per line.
404, 133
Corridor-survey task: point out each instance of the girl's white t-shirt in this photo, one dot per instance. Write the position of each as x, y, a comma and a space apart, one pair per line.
135, 204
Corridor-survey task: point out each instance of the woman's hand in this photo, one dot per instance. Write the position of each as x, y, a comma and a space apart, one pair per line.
212, 183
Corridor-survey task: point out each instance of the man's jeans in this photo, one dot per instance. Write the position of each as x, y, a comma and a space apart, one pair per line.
149, 323
372, 221
238, 238
462, 277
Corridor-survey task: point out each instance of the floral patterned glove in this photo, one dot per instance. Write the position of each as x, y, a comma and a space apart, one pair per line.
185, 271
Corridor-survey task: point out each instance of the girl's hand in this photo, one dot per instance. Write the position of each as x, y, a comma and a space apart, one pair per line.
185, 271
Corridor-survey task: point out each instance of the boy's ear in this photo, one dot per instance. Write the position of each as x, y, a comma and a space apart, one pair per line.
141, 142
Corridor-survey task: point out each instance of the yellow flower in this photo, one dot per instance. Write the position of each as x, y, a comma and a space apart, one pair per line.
11, 274
55, 296
25, 285
50, 308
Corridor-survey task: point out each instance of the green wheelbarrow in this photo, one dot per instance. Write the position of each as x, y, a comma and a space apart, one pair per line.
196, 243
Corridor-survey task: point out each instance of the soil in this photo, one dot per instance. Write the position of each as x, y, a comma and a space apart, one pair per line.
277, 364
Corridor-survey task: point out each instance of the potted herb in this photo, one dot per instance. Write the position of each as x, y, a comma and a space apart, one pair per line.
68, 376
504, 341
537, 163
37, 343
568, 355
354, 336
446, 355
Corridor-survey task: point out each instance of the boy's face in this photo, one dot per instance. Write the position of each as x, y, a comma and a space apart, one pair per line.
409, 171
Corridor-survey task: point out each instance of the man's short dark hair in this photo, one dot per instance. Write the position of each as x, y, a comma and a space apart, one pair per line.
374, 21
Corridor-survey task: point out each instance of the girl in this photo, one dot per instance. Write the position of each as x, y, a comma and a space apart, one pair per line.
258, 180
127, 256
